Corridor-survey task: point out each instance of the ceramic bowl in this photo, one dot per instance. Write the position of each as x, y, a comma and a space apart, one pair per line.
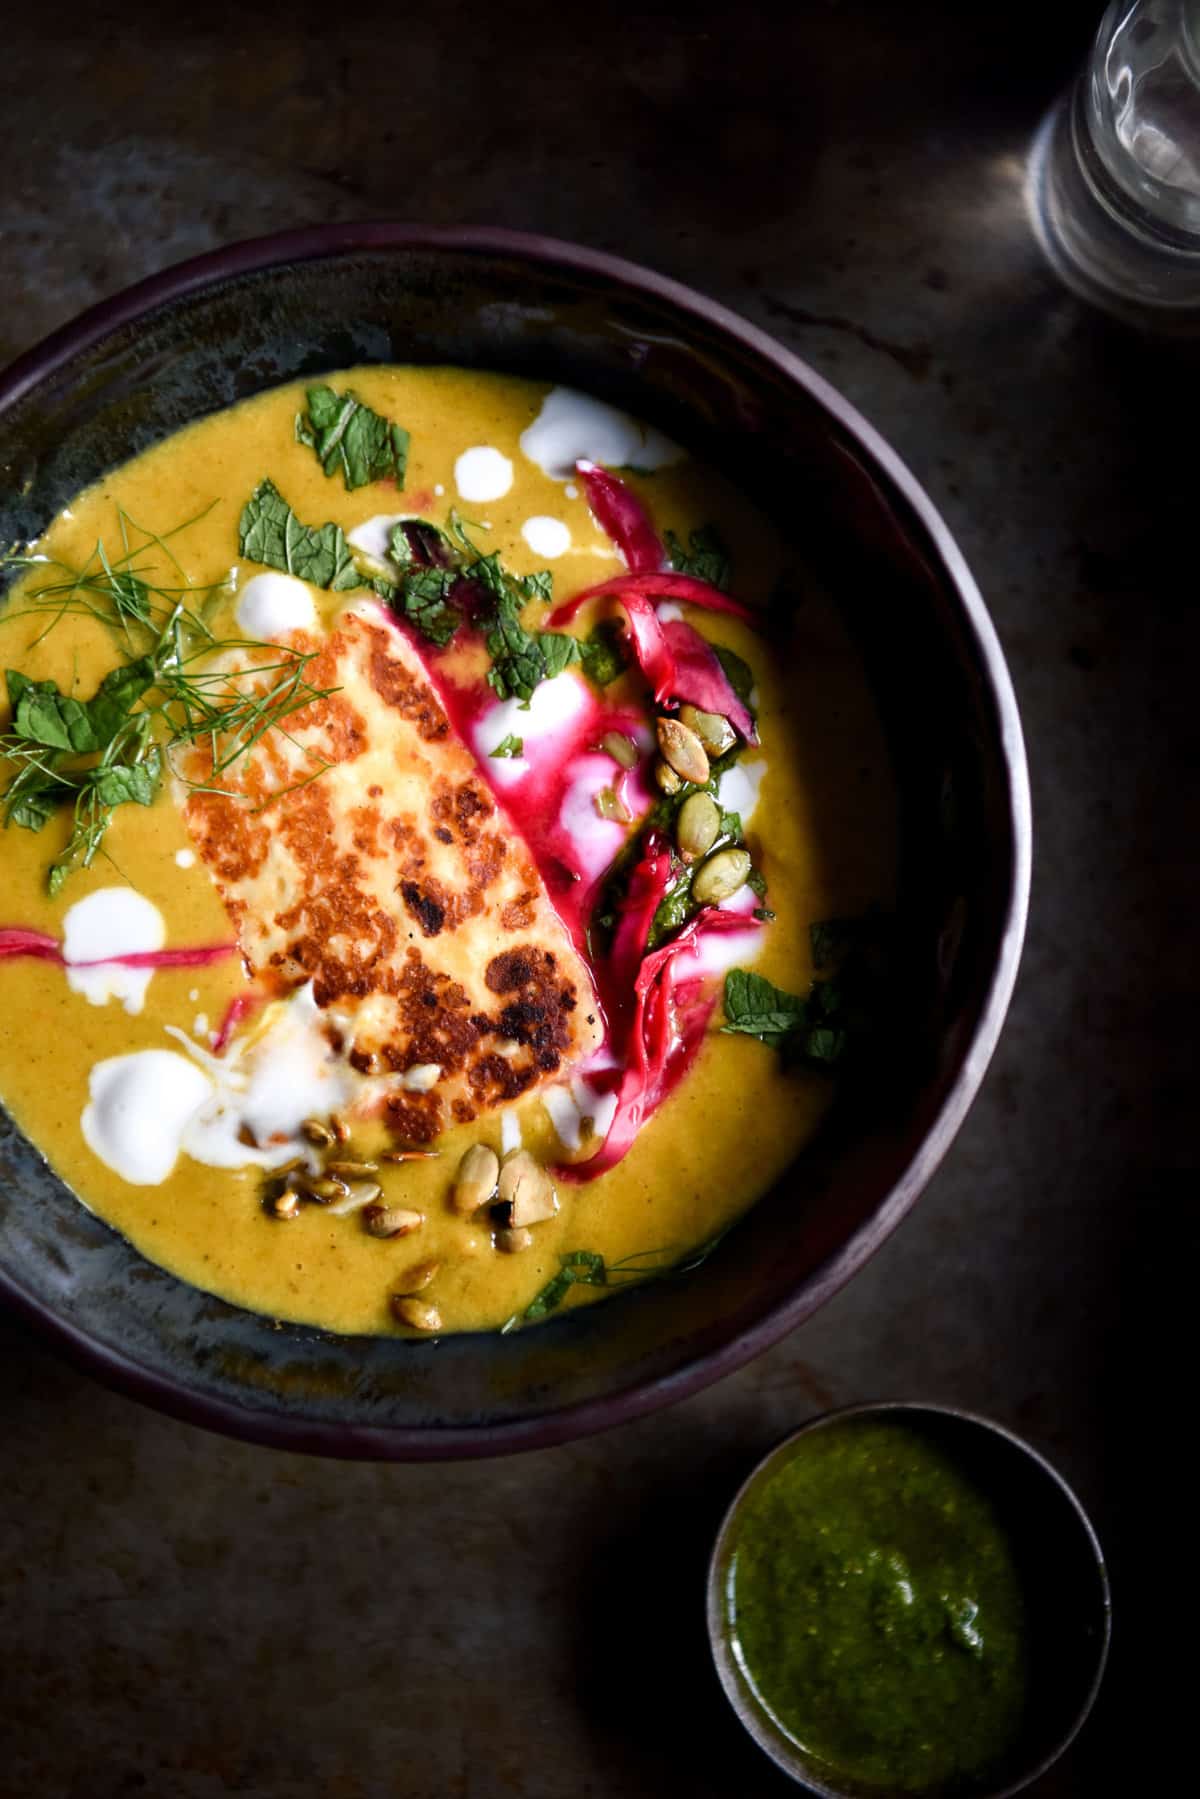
218, 329
1059, 1563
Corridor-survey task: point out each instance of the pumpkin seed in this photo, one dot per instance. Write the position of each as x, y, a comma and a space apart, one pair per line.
683, 750
322, 1188
715, 733
527, 1190
666, 777
720, 877
285, 1204
316, 1131
622, 749
512, 1242
697, 825
610, 805
391, 1221
478, 1173
351, 1171
417, 1277
415, 1313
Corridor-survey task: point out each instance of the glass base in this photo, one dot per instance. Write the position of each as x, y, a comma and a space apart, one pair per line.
1099, 244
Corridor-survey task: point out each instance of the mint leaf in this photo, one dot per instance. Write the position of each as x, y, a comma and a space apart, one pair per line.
417, 543
424, 597
559, 652
539, 586
58, 721
33, 797
136, 782
757, 1009
813, 1030
269, 532
348, 437
510, 746
518, 663
706, 556
601, 655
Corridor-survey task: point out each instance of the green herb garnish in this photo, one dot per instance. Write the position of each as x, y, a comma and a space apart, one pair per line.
601, 654
812, 1030
424, 598
706, 556
587, 1268
348, 436
94, 755
508, 746
269, 532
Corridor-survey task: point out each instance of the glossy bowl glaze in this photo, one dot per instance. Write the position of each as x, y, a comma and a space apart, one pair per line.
1059, 1562
227, 325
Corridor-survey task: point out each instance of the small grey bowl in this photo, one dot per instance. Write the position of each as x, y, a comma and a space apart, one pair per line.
1060, 1563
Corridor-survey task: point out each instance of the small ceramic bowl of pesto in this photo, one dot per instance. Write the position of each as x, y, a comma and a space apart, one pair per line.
908, 1599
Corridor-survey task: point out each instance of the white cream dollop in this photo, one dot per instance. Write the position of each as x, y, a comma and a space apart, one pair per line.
569, 1106
547, 536
737, 789
482, 473
551, 708
374, 536
112, 921
272, 606
573, 427
139, 1107
149, 1107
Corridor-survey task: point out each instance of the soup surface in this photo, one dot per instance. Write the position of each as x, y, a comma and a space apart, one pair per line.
336, 832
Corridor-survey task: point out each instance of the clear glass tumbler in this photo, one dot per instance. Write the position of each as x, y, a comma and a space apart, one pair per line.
1114, 175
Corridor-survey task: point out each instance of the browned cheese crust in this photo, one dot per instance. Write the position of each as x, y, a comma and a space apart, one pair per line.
395, 884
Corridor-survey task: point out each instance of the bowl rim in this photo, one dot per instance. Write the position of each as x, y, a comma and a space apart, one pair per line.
722, 1657
256, 255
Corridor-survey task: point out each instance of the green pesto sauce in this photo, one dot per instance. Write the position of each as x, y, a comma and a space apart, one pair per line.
874, 1605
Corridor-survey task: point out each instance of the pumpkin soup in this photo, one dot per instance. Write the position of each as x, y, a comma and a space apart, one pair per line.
428, 887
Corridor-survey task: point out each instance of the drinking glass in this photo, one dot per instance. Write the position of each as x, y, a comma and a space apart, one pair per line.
1114, 175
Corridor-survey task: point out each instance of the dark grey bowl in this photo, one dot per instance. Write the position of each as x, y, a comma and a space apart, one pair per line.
1060, 1563
227, 325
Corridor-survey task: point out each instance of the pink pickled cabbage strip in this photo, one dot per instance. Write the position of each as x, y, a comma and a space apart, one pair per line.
621, 516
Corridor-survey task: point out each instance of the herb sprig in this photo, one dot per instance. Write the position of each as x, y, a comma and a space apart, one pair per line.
588, 1268
706, 556
95, 755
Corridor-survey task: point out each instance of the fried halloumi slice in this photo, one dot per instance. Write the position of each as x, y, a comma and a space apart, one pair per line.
394, 883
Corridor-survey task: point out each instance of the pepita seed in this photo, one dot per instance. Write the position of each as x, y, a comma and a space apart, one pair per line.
666, 777
415, 1313
720, 877
622, 749
610, 805
286, 1204
527, 1189
683, 750
715, 733
323, 1188
697, 825
391, 1221
418, 1277
512, 1242
351, 1171
317, 1131
340, 1129
475, 1183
